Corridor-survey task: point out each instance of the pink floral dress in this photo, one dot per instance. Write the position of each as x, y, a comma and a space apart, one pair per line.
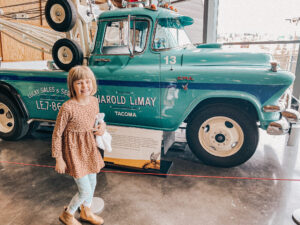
73, 138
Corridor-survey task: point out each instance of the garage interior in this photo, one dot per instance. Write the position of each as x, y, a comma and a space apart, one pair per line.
263, 191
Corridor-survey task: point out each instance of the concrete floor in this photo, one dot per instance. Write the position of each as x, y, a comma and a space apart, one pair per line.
31, 195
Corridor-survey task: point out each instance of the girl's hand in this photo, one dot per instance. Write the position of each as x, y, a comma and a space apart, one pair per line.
100, 129
60, 166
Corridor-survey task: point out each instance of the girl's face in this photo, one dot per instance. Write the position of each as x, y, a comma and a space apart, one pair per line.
83, 87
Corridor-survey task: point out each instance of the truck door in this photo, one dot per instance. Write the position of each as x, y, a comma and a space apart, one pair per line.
170, 40
129, 84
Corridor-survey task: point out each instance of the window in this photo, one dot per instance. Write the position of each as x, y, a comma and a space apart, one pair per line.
194, 9
116, 36
170, 34
276, 23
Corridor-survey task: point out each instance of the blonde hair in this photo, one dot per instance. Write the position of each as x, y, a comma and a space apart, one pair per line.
78, 73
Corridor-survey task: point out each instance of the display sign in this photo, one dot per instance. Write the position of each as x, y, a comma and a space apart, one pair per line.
135, 147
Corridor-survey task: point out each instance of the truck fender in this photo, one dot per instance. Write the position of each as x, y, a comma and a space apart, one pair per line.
11, 92
231, 98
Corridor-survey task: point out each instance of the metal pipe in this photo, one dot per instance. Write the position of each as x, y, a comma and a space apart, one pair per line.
261, 42
86, 39
80, 28
205, 21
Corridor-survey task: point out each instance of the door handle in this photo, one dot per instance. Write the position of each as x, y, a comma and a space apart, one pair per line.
102, 60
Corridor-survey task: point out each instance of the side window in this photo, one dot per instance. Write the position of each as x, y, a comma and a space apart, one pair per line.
141, 31
164, 38
170, 33
116, 36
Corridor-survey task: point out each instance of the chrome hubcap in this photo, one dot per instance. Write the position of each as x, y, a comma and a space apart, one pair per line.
7, 120
221, 136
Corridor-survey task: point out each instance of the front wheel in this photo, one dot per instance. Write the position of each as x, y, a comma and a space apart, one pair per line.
12, 125
222, 135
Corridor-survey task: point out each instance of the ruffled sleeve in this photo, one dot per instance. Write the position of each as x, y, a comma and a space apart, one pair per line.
60, 125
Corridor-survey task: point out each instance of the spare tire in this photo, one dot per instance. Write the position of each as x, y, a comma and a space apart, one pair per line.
66, 54
60, 14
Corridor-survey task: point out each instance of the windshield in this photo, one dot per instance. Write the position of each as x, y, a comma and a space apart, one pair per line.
170, 33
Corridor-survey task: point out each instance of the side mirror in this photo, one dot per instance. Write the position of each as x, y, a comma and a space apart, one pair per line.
130, 47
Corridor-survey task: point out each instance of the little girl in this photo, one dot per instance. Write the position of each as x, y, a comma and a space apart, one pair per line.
74, 146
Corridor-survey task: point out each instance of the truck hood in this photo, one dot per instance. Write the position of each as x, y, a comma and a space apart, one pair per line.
210, 56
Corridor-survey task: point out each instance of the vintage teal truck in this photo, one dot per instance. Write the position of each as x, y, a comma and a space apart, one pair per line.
158, 80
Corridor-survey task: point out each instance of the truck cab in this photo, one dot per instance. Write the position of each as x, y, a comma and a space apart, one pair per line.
139, 79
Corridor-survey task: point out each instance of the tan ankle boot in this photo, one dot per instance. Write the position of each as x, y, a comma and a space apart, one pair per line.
68, 219
87, 215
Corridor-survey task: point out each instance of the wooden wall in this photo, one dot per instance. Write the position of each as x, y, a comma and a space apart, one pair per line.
11, 50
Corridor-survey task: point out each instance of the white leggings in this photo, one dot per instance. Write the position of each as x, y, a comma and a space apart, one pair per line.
86, 187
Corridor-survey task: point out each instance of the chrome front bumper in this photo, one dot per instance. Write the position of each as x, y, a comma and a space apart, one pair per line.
279, 127
290, 120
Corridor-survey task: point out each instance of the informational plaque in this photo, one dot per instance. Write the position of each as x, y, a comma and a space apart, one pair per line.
135, 147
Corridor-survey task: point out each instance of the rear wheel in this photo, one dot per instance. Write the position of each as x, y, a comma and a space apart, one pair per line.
222, 135
60, 14
33, 126
12, 125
